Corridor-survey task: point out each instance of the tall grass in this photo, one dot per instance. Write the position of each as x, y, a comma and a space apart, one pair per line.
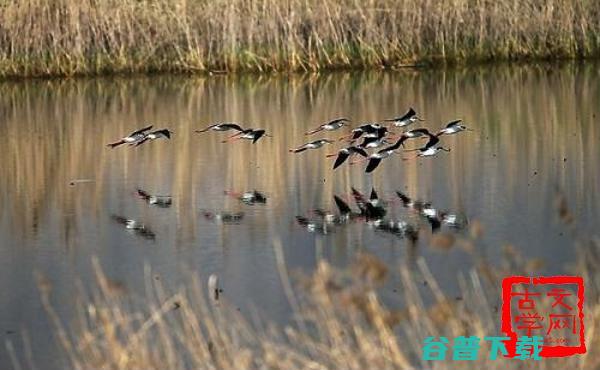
67, 37
342, 322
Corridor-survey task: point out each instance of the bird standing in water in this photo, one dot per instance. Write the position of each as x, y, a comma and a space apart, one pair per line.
312, 145
330, 126
131, 138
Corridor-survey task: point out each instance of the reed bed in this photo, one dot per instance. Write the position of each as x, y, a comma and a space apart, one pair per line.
340, 322
66, 37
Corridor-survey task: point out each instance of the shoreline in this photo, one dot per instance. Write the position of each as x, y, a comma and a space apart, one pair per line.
46, 38
515, 63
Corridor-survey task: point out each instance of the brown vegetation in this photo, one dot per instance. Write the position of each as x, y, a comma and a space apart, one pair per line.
66, 37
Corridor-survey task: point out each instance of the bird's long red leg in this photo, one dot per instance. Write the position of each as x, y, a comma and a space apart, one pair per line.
231, 138
314, 131
232, 193
116, 144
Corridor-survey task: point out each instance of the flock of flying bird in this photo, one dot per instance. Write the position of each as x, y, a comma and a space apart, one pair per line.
372, 136
376, 135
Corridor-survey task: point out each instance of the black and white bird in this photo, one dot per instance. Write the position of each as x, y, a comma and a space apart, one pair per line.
418, 132
345, 153
330, 126
131, 138
367, 128
312, 145
406, 119
453, 127
225, 126
376, 158
377, 133
431, 148
247, 134
373, 142
430, 152
158, 134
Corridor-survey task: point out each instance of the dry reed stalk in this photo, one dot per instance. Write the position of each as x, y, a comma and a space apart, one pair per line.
66, 37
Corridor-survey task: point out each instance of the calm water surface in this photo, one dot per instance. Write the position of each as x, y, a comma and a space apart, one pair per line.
535, 132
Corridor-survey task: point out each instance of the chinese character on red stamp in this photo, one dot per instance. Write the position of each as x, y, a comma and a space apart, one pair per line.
550, 307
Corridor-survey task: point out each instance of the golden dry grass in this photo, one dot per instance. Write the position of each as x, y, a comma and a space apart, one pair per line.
66, 37
341, 323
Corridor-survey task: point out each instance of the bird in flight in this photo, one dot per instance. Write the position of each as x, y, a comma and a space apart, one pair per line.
225, 126
406, 119
345, 153
312, 145
248, 134
453, 127
132, 138
158, 134
330, 126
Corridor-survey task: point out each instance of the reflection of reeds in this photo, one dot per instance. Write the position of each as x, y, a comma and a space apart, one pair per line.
56, 131
342, 323
65, 37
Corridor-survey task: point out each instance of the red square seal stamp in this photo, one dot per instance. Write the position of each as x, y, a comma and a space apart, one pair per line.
549, 307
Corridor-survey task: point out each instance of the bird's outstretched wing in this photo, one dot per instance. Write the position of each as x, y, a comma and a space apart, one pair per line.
453, 123
433, 140
141, 131
341, 158
411, 112
423, 131
373, 164
232, 126
141, 141
165, 132
257, 135
337, 120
